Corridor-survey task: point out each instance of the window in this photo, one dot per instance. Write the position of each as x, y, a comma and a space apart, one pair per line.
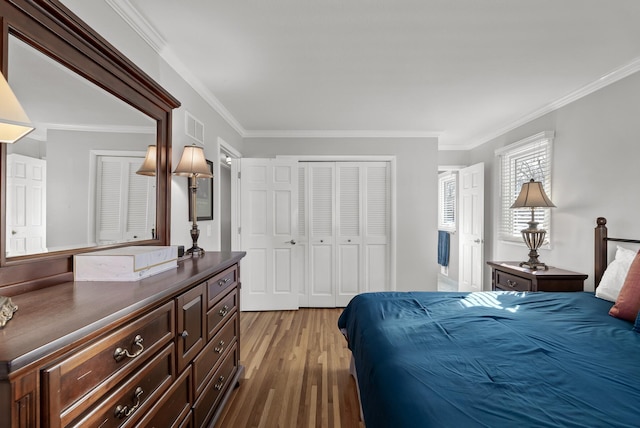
520, 162
447, 201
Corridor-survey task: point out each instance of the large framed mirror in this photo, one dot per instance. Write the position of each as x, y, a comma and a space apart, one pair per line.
95, 114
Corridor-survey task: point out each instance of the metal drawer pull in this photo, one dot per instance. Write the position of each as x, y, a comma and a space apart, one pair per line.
223, 281
120, 353
184, 334
511, 283
124, 411
218, 349
220, 383
224, 311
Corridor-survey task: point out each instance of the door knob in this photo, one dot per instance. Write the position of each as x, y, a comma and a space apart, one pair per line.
292, 242
477, 241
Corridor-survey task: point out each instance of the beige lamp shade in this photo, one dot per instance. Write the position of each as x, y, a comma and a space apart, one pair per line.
193, 163
14, 123
532, 195
149, 165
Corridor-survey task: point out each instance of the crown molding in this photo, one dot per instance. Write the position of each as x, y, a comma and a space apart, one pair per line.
606, 80
341, 134
140, 25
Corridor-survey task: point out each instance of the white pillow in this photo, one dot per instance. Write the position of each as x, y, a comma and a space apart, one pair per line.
615, 274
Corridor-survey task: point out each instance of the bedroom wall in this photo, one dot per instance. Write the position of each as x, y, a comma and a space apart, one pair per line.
595, 163
416, 187
100, 16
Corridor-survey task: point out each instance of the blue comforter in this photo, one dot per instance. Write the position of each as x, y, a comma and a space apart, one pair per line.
496, 359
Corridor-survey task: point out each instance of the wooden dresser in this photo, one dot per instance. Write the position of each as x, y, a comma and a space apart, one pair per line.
509, 276
160, 352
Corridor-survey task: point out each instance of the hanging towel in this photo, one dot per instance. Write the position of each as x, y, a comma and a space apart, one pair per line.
443, 248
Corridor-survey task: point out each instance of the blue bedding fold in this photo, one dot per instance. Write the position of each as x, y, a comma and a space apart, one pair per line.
493, 359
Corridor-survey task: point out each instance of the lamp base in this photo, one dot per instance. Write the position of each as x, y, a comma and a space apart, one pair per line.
534, 238
195, 250
534, 265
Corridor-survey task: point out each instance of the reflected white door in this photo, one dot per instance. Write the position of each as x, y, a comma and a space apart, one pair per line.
269, 204
26, 231
471, 227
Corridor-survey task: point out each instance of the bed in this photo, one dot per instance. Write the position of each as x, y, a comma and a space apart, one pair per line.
495, 359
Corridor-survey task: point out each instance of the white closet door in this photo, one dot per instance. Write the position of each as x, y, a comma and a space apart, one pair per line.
349, 231
321, 234
348, 217
269, 205
302, 241
377, 228
124, 200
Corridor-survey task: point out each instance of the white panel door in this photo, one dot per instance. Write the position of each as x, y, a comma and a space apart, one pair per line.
322, 273
269, 205
26, 231
471, 227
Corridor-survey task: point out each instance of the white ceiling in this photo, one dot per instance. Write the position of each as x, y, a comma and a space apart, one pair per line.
463, 70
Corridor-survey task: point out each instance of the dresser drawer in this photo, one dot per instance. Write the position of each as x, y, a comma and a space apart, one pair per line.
107, 361
506, 281
221, 312
205, 406
174, 406
206, 361
130, 401
221, 282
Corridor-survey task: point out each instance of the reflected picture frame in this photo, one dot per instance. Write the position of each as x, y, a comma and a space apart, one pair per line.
204, 196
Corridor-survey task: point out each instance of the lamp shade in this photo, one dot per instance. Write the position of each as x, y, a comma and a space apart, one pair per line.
532, 195
193, 163
14, 123
149, 165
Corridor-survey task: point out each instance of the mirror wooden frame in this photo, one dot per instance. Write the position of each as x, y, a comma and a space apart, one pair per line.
51, 28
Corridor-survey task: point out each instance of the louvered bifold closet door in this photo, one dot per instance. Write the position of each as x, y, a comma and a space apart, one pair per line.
363, 229
376, 239
321, 217
123, 201
349, 177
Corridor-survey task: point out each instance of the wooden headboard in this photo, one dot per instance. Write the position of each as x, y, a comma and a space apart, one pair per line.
601, 243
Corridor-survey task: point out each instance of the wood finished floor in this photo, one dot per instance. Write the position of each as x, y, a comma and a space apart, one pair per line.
296, 373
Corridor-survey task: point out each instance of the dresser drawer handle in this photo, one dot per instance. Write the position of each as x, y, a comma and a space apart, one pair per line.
218, 386
511, 283
120, 353
218, 349
124, 411
224, 311
223, 281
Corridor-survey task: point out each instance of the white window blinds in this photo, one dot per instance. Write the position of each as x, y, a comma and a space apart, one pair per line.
447, 201
520, 162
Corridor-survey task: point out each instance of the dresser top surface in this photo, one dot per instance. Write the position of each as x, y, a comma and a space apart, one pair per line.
550, 272
59, 317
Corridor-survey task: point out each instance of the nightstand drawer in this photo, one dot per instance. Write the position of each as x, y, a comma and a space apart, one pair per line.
505, 281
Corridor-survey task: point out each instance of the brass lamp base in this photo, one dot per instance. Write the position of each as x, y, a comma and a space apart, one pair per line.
534, 238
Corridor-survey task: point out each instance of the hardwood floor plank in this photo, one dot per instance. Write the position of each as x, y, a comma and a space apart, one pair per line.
296, 373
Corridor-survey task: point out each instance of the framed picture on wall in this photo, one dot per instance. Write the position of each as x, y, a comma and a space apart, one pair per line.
204, 197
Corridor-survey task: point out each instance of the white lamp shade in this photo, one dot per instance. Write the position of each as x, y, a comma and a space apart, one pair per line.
193, 163
14, 123
532, 195
148, 167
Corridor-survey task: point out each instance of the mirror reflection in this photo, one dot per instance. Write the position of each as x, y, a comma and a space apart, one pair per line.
72, 182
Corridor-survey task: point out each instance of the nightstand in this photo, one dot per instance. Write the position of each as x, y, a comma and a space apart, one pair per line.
509, 276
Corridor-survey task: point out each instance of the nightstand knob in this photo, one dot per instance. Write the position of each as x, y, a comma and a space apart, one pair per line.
511, 283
